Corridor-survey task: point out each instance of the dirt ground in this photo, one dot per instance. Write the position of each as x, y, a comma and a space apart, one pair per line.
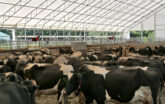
52, 99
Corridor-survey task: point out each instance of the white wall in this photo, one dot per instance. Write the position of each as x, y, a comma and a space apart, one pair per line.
160, 25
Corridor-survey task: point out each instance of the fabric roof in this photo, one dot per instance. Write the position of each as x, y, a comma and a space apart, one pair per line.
100, 15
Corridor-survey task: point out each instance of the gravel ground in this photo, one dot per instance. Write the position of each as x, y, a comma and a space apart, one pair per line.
52, 99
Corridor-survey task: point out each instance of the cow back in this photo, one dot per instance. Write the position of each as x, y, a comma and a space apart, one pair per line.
12, 92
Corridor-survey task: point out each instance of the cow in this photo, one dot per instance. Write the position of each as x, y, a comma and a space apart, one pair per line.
21, 93
66, 50
159, 64
78, 66
49, 59
60, 60
12, 77
15, 64
159, 50
47, 76
134, 62
22, 62
5, 69
10, 64
38, 59
146, 51
92, 89
135, 77
132, 49
50, 78
13, 61
121, 84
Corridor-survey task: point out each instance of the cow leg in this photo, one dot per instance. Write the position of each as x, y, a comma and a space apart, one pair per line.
81, 98
61, 86
154, 91
100, 102
160, 95
65, 100
59, 94
100, 99
88, 100
61, 97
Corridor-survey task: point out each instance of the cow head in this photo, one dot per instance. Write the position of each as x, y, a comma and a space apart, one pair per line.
11, 63
78, 65
73, 84
30, 73
12, 77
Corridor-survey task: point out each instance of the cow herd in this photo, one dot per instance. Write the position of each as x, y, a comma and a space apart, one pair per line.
101, 75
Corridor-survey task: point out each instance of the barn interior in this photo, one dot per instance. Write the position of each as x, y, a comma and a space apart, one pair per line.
40, 37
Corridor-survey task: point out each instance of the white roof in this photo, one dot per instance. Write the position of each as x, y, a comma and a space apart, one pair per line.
100, 15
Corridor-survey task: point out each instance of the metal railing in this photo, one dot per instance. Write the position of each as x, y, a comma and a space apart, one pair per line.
22, 44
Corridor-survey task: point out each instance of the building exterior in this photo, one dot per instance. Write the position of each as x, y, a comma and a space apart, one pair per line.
4, 36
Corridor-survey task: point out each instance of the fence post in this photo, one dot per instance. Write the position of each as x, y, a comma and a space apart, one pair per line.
27, 44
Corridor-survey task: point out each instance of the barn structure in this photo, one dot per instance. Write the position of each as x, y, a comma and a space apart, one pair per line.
104, 50
92, 21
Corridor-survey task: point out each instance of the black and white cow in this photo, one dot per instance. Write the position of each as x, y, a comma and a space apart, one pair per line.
46, 75
16, 93
9, 76
137, 77
90, 84
50, 78
159, 64
122, 84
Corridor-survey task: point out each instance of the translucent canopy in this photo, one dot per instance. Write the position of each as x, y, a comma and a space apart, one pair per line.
99, 15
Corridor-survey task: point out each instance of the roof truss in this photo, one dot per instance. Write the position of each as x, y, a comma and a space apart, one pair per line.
100, 15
